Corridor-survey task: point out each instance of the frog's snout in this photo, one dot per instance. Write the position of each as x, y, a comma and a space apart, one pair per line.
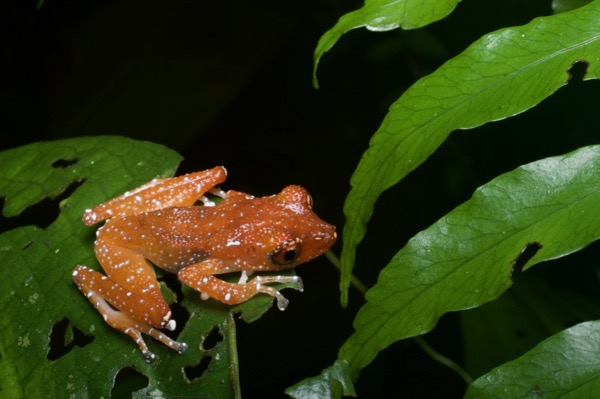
327, 236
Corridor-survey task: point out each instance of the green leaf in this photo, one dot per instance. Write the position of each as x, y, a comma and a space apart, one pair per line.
566, 365
333, 382
384, 15
467, 258
502, 74
36, 289
37, 293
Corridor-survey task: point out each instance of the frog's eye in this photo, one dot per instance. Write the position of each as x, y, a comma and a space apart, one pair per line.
309, 201
287, 254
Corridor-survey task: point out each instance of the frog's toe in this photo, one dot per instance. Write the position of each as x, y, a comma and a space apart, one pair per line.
182, 348
300, 284
149, 357
282, 302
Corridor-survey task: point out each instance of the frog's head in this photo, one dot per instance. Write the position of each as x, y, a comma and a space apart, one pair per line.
298, 234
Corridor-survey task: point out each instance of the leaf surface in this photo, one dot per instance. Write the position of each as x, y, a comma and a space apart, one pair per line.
500, 75
467, 258
566, 365
333, 382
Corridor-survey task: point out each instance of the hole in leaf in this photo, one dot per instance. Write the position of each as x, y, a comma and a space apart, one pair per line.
62, 340
577, 71
127, 382
64, 163
194, 372
41, 214
528, 252
179, 313
181, 316
212, 339
171, 280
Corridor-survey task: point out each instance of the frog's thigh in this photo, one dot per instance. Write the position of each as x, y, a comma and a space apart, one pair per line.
199, 277
158, 194
182, 190
127, 270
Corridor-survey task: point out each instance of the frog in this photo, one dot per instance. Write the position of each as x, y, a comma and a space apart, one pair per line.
188, 226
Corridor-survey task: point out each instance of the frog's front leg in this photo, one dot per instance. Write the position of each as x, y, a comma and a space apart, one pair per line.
200, 277
158, 194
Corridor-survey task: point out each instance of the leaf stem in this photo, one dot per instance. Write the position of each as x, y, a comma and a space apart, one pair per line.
356, 283
451, 364
234, 363
435, 355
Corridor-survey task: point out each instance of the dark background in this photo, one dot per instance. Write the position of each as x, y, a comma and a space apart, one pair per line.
229, 82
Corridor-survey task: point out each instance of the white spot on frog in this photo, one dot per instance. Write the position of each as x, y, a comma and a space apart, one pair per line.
296, 208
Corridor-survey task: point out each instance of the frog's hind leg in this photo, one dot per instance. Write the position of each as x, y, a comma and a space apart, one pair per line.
107, 297
127, 269
199, 277
158, 194
129, 297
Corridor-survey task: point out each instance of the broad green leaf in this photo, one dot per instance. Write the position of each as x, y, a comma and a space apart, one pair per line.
502, 74
333, 382
467, 257
36, 290
566, 365
37, 293
384, 15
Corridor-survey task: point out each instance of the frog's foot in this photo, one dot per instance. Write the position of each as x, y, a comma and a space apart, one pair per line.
134, 329
231, 293
93, 285
217, 192
282, 302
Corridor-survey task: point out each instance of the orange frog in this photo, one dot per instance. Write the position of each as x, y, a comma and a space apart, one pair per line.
158, 222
